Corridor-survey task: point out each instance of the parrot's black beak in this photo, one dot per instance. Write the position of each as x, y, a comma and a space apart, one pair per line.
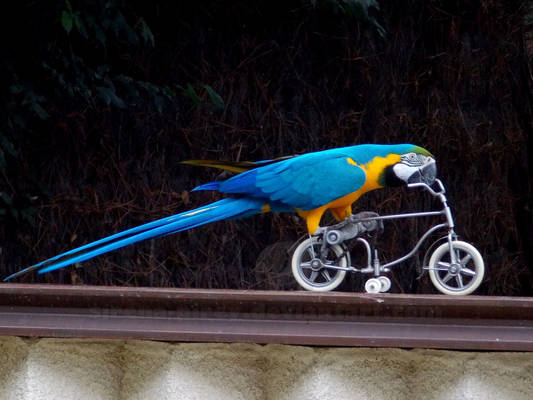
415, 168
424, 174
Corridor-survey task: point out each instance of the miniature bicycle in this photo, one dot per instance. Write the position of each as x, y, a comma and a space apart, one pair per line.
320, 262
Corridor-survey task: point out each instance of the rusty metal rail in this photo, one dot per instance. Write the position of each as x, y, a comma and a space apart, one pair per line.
330, 319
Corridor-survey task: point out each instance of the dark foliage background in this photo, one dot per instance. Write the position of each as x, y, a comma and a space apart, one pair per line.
102, 99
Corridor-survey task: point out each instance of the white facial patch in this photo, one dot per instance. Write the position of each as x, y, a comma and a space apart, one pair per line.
403, 171
415, 160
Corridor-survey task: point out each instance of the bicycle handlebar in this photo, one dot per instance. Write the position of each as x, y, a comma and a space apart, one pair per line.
440, 190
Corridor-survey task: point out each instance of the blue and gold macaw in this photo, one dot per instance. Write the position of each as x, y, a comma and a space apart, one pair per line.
308, 184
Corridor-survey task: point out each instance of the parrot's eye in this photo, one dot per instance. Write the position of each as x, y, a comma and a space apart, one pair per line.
412, 159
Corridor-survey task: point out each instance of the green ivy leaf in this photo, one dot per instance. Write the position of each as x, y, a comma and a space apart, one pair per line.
16, 89
103, 93
37, 109
119, 24
109, 97
80, 26
67, 20
117, 101
28, 213
215, 98
6, 198
146, 32
190, 93
8, 146
169, 92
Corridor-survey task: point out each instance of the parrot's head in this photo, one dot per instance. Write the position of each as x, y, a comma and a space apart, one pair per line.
416, 165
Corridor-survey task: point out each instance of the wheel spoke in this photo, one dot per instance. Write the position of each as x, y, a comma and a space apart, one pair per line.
305, 265
311, 251
465, 259
468, 271
326, 275
313, 276
447, 277
444, 266
459, 280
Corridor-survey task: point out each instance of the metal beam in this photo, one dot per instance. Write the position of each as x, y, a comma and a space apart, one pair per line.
305, 318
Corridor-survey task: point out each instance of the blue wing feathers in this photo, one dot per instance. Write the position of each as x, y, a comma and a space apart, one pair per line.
240, 183
304, 182
307, 181
207, 186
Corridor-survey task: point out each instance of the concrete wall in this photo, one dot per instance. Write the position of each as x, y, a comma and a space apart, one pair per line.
111, 369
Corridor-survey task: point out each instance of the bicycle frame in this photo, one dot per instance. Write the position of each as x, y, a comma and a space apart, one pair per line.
373, 264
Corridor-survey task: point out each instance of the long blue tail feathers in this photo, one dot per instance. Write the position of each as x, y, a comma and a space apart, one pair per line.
228, 208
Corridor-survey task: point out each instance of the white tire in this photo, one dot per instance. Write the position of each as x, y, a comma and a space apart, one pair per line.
385, 284
456, 279
373, 285
319, 278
